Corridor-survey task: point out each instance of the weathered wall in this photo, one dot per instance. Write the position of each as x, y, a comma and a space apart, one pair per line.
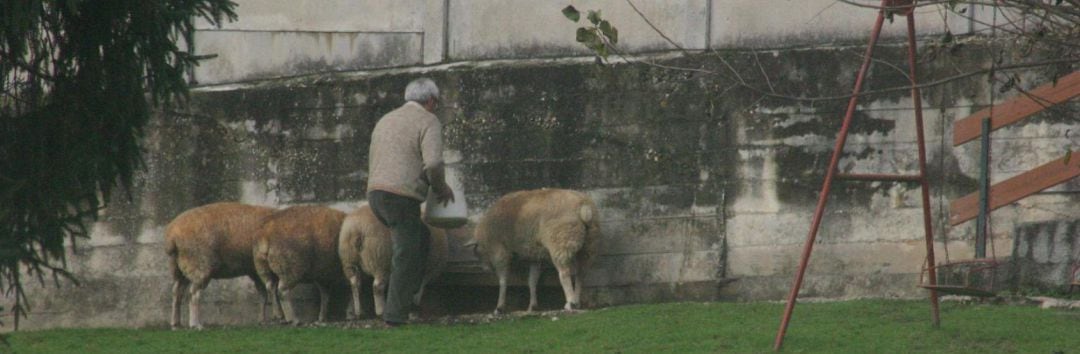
288, 38
698, 182
1045, 254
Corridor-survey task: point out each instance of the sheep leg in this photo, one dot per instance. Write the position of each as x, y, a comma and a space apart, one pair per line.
324, 301
534, 278
260, 288
271, 300
577, 291
579, 282
378, 288
354, 281
501, 271
565, 278
284, 293
195, 289
275, 300
179, 285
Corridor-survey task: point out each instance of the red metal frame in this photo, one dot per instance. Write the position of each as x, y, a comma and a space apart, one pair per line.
904, 8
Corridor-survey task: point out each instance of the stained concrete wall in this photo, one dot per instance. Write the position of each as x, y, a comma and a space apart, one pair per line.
1046, 253
706, 192
699, 182
273, 39
281, 39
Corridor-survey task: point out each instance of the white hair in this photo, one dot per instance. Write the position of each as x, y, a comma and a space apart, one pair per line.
420, 90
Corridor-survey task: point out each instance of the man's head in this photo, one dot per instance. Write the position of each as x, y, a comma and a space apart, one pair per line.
424, 92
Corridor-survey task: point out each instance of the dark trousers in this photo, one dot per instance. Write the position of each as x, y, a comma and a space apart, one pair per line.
411, 243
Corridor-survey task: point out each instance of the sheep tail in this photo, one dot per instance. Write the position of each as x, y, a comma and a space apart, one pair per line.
170, 247
352, 225
261, 251
586, 213
174, 254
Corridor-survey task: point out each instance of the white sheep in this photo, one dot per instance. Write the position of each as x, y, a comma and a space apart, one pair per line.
213, 241
299, 245
535, 226
365, 247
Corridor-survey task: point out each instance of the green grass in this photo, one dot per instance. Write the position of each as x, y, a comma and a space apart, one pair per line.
839, 327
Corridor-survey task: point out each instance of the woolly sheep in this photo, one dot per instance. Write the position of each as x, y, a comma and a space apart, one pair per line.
365, 247
299, 245
536, 226
213, 241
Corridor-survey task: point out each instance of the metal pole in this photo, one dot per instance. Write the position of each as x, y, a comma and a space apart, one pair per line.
928, 227
984, 191
708, 24
827, 185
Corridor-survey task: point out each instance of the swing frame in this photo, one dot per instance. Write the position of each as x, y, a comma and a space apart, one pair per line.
966, 288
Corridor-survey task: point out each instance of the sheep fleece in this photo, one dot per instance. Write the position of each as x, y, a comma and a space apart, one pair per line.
538, 224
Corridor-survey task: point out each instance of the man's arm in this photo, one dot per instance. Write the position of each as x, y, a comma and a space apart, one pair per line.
437, 178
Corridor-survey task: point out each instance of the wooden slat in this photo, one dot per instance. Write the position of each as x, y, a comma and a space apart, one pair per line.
1016, 188
1017, 108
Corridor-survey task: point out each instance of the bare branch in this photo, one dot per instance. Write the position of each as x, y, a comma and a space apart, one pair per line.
763, 74
658, 31
771, 92
950, 78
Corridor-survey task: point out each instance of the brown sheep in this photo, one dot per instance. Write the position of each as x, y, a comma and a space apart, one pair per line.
365, 246
536, 226
299, 245
211, 242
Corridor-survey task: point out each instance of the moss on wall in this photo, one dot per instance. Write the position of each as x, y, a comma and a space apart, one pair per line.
670, 156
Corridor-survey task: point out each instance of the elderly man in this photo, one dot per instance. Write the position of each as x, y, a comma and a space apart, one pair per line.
405, 161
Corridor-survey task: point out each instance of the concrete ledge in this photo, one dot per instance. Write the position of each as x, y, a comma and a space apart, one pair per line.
252, 55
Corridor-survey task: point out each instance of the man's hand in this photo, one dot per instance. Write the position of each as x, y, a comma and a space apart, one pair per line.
437, 177
444, 195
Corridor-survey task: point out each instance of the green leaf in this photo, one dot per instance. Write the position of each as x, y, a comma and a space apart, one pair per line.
602, 50
586, 36
594, 16
609, 31
947, 37
571, 13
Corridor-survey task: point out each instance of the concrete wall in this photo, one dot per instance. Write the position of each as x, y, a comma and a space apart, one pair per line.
282, 39
286, 38
1046, 254
699, 182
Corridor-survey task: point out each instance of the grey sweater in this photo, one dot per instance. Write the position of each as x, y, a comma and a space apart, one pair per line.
405, 142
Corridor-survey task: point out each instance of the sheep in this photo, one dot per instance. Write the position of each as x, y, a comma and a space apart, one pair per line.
211, 242
365, 246
538, 225
299, 245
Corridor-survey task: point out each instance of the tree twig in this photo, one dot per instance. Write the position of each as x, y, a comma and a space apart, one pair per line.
763, 74
658, 31
772, 93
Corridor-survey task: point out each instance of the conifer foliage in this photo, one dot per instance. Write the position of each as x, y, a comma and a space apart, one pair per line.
78, 82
